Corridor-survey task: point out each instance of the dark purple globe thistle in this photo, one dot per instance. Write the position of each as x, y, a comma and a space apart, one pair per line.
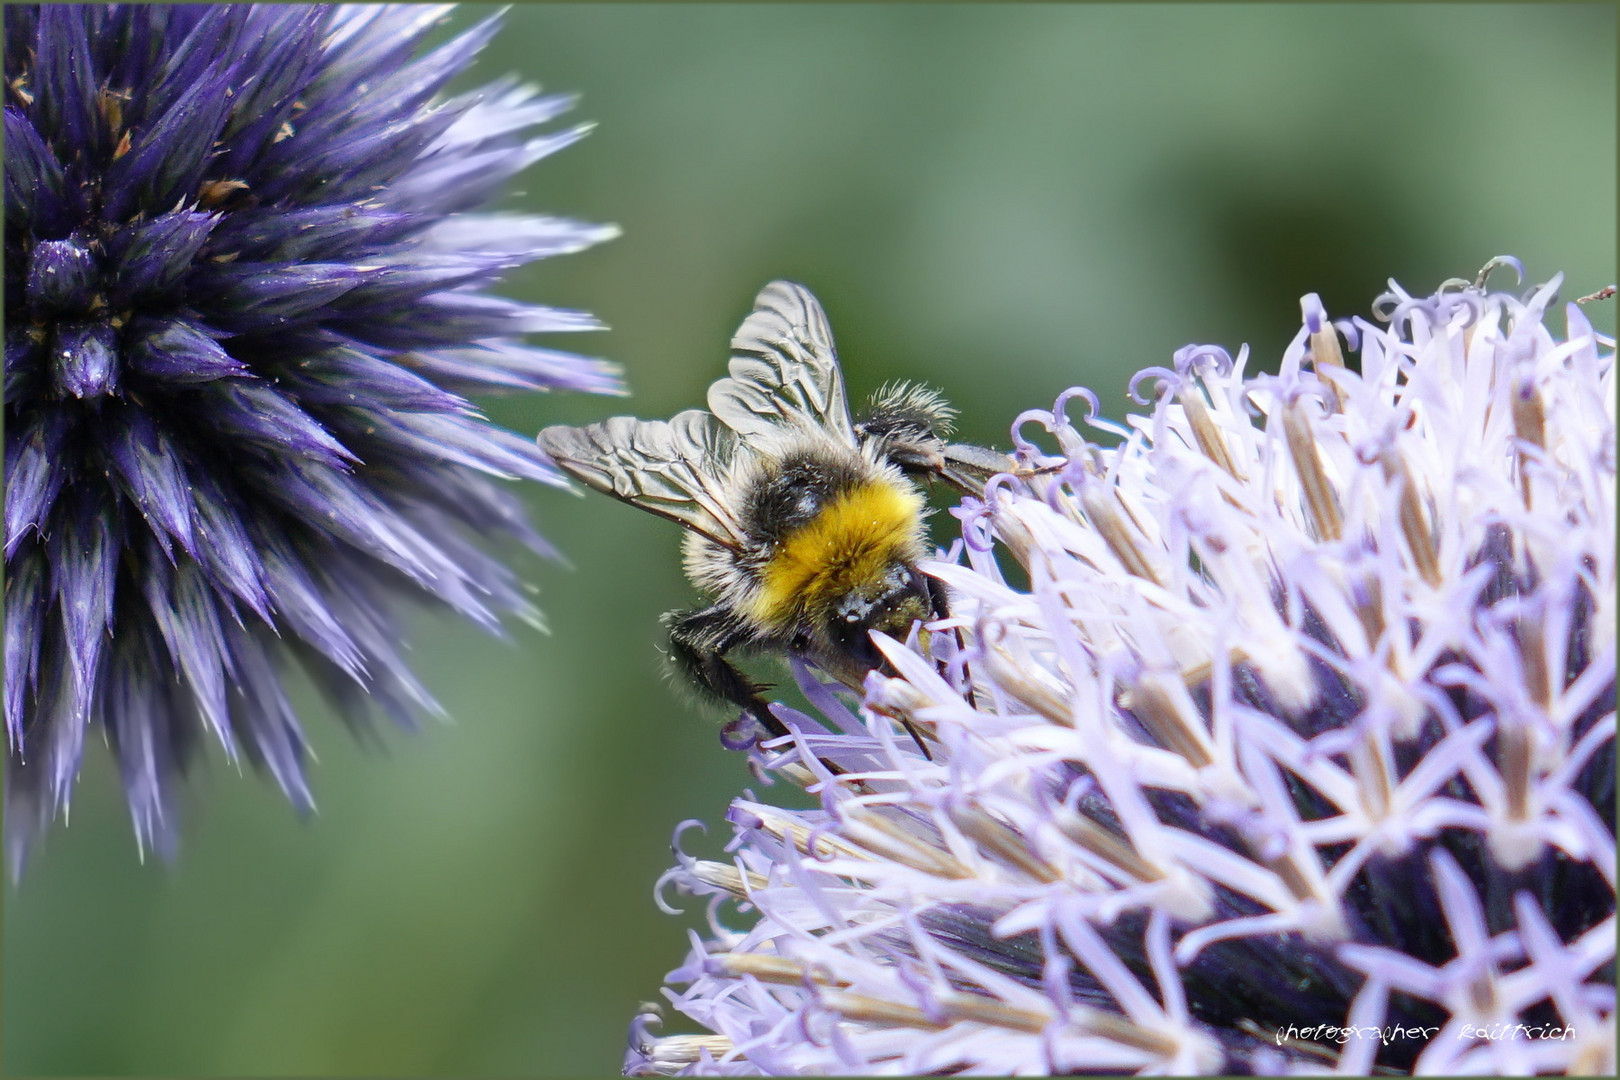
245, 295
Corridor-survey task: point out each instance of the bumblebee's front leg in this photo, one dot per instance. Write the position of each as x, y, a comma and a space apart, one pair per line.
938, 603
698, 642
941, 610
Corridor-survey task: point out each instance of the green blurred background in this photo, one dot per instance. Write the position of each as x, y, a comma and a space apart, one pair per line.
1002, 200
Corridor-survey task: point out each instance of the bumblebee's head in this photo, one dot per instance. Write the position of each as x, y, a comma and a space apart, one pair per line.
890, 605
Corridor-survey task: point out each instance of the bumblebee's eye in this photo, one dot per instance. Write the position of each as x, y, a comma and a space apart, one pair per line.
800, 641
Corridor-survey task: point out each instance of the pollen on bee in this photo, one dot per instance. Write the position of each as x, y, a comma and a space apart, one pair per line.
846, 547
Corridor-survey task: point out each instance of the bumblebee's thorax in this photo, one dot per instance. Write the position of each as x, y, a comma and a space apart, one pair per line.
788, 495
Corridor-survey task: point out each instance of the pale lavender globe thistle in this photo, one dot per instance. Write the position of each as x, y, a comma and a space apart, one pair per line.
246, 291
1295, 753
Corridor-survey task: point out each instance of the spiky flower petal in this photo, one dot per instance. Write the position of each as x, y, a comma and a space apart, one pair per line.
245, 293
1295, 754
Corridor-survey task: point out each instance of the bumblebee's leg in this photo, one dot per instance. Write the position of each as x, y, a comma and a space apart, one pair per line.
942, 610
936, 596
698, 642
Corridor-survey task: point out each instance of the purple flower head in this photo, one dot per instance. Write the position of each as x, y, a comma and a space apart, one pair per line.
1296, 754
246, 291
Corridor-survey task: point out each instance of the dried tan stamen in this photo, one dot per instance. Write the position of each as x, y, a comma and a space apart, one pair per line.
1319, 499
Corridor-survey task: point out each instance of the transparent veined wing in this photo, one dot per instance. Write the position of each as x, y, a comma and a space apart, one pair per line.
675, 469
784, 369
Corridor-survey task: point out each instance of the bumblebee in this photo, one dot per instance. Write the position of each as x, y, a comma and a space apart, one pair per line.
803, 525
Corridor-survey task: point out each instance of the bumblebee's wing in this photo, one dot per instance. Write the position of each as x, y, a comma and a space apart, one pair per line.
784, 369
675, 470
968, 468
